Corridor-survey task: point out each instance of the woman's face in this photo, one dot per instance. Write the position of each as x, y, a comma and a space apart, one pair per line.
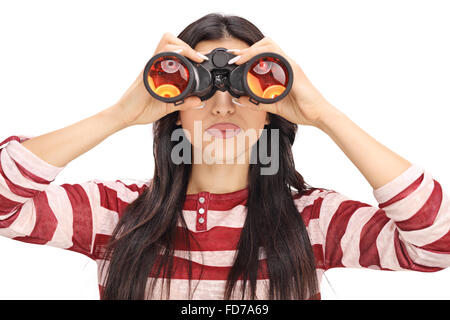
213, 145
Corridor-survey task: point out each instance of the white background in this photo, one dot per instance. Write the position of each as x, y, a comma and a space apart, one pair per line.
383, 63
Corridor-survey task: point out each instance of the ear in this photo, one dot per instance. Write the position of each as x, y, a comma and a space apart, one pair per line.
178, 123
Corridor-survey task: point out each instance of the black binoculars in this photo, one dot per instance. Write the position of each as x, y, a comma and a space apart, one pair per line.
171, 77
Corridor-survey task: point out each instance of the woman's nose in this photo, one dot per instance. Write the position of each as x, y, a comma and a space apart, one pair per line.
222, 104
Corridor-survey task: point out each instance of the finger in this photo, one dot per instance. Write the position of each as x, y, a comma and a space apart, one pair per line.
246, 54
263, 42
187, 50
192, 103
269, 107
140, 76
244, 102
173, 48
189, 103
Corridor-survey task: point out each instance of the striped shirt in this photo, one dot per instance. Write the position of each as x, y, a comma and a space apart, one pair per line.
409, 230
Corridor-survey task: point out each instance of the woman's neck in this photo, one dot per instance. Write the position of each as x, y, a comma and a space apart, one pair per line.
218, 178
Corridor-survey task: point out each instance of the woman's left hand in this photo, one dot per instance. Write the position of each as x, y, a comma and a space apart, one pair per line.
303, 105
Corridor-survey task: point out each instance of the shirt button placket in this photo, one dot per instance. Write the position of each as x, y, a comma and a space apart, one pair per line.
202, 208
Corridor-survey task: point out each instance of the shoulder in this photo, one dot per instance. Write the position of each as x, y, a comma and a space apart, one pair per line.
308, 196
325, 204
311, 202
125, 185
117, 194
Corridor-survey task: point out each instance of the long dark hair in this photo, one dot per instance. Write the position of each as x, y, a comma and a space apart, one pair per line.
143, 241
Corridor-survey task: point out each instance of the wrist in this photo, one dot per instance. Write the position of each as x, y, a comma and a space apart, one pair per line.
329, 114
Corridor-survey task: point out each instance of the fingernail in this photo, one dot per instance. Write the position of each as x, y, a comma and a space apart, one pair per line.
178, 50
236, 102
234, 60
202, 56
200, 107
233, 50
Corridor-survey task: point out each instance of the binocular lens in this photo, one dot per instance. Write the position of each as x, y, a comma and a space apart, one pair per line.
267, 77
168, 77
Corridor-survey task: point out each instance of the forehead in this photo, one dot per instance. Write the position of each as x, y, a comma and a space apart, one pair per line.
205, 46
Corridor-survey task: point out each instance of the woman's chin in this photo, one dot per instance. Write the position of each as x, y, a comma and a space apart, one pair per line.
224, 158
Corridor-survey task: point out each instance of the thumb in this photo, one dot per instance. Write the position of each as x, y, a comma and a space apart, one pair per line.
192, 102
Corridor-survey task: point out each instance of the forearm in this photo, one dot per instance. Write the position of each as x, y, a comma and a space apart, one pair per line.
61, 146
378, 164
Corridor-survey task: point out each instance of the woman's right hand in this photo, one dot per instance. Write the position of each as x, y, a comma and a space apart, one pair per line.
137, 106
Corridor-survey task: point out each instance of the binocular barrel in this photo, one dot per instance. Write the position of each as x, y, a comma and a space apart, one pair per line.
171, 77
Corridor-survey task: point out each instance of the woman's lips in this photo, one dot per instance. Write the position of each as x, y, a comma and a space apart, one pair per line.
223, 130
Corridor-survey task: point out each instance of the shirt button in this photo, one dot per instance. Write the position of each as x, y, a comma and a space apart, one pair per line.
201, 211
201, 220
201, 199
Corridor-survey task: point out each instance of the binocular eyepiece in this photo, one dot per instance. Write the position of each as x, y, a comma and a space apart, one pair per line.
171, 77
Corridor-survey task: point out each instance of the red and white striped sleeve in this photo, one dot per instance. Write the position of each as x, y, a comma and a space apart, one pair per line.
409, 230
68, 216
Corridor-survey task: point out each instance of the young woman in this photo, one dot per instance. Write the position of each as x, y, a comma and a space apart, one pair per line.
213, 230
